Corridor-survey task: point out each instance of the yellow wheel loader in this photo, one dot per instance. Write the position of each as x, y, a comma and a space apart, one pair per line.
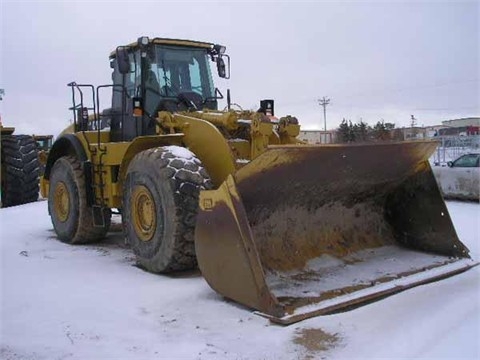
287, 229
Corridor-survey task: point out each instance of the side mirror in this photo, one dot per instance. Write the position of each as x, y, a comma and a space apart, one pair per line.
122, 60
221, 68
450, 164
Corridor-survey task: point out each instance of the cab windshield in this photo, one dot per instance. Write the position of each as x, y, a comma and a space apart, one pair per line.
175, 70
169, 74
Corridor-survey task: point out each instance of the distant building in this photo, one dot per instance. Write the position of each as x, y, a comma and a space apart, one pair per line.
414, 133
455, 127
411, 133
463, 127
432, 131
463, 122
318, 136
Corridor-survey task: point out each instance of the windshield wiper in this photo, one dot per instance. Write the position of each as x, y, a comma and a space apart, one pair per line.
165, 78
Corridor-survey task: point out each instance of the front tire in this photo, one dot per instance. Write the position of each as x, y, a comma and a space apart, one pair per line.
160, 206
72, 218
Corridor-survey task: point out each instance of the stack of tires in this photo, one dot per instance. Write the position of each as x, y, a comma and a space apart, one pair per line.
20, 170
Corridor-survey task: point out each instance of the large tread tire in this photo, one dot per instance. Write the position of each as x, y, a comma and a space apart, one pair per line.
169, 181
72, 218
20, 170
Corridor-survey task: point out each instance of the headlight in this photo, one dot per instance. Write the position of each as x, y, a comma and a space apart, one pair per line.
143, 40
219, 49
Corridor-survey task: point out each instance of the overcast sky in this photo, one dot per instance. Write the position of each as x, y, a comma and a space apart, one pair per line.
374, 60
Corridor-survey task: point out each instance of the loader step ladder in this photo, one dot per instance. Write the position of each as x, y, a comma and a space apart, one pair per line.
98, 186
83, 122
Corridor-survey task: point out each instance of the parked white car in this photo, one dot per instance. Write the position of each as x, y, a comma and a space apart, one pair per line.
466, 161
461, 179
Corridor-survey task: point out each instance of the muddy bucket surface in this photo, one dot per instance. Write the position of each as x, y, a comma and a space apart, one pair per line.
305, 230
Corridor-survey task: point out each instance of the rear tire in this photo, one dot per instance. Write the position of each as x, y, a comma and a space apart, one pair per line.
160, 205
20, 170
72, 218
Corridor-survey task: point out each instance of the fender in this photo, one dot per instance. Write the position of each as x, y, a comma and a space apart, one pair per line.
198, 135
65, 145
69, 144
209, 145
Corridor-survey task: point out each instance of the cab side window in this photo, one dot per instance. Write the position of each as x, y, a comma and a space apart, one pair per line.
130, 81
196, 83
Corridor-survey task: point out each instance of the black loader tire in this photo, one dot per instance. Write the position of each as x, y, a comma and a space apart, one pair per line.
72, 218
20, 170
160, 206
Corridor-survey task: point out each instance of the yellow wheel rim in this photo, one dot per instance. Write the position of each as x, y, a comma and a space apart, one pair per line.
61, 201
143, 213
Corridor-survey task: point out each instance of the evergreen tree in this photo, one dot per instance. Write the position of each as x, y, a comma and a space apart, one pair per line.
343, 132
380, 131
389, 126
361, 131
351, 132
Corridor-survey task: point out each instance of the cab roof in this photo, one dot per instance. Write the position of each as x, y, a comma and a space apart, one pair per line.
167, 41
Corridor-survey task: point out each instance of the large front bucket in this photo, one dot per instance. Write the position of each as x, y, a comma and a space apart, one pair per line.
308, 230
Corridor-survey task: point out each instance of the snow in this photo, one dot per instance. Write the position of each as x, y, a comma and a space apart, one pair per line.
386, 287
242, 161
211, 113
180, 152
363, 267
90, 302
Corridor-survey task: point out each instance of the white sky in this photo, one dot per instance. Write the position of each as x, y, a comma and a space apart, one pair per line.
375, 60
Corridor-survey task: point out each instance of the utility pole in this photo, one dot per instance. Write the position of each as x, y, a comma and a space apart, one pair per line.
324, 102
413, 121
413, 124
2, 94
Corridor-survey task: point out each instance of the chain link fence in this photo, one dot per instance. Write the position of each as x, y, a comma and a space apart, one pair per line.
451, 147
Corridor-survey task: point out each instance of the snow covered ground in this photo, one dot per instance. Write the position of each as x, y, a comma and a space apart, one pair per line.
90, 302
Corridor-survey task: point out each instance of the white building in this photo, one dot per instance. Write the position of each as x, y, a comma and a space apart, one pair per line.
470, 121
317, 136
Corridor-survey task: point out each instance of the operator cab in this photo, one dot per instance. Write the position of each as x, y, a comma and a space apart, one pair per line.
161, 75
